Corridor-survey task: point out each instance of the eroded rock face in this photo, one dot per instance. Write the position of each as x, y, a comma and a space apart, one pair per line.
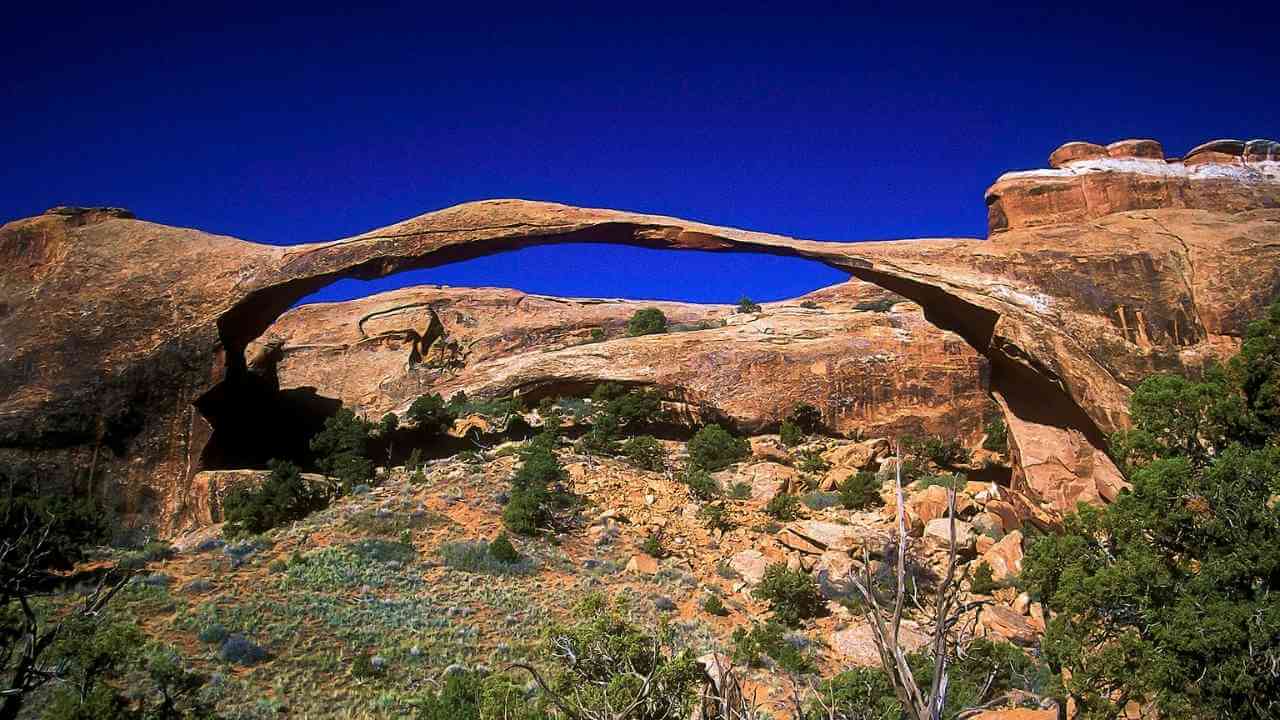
867, 359
122, 342
1089, 181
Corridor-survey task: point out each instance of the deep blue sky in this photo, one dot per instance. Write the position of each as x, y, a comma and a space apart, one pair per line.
286, 125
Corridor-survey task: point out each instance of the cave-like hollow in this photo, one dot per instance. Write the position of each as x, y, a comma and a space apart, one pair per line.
253, 421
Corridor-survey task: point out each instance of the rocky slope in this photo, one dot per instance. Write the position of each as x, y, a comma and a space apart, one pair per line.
122, 342
386, 573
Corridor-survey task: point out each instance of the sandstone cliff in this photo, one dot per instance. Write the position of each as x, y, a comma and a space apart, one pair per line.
122, 342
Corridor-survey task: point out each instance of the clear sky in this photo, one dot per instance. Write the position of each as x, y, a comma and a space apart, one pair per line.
284, 124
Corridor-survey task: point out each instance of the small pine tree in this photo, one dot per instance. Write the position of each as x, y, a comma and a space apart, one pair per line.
714, 606
790, 434
645, 453
432, 414
747, 305
783, 507
861, 490
983, 583
502, 550
713, 448
701, 485
648, 321
792, 594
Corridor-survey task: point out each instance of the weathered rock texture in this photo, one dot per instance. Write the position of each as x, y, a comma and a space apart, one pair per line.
872, 366
1087, 181
122, 342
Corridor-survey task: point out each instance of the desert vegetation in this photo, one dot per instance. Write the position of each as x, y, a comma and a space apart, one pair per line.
621, 574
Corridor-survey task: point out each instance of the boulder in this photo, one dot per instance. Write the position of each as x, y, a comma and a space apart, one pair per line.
931, 503
642, 564
1005, 557
857, 456
1008, 514
832, 571
1074, 151
750, 564
856, 644
938, 530
1016, 714
1149, 149
767, 447
817, 537
1007, 624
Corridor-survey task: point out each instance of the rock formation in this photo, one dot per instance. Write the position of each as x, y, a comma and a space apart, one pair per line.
123, 343
872, 365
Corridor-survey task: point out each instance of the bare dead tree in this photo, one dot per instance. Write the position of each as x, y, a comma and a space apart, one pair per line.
886, 623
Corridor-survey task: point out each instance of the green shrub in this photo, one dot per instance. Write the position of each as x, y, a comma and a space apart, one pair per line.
283, 497
502, 550
740, 491
820, 500
701, 485
389, 423
806, 417
597, 335
984, 672
769, 639
629, 406
526, 511
783, 507
713, 448
648, 321
530, 502
810, 305
431, 414
1179, 576
790, 434
600, 659
714, 606
341, 448
540, 469
476, 696
716, 517
997, 439
946, 480
747, 305
860, 491
68, 526
881, 305
378, 550
943, 453
811, 461
414, 463
481, 557
645, 453
652, 546
792, 594
983, 583
600, 440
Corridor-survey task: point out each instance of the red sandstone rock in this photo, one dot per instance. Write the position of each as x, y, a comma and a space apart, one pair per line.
1005, 557
857, 643
1007, 624
1135, 148
1074, 151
